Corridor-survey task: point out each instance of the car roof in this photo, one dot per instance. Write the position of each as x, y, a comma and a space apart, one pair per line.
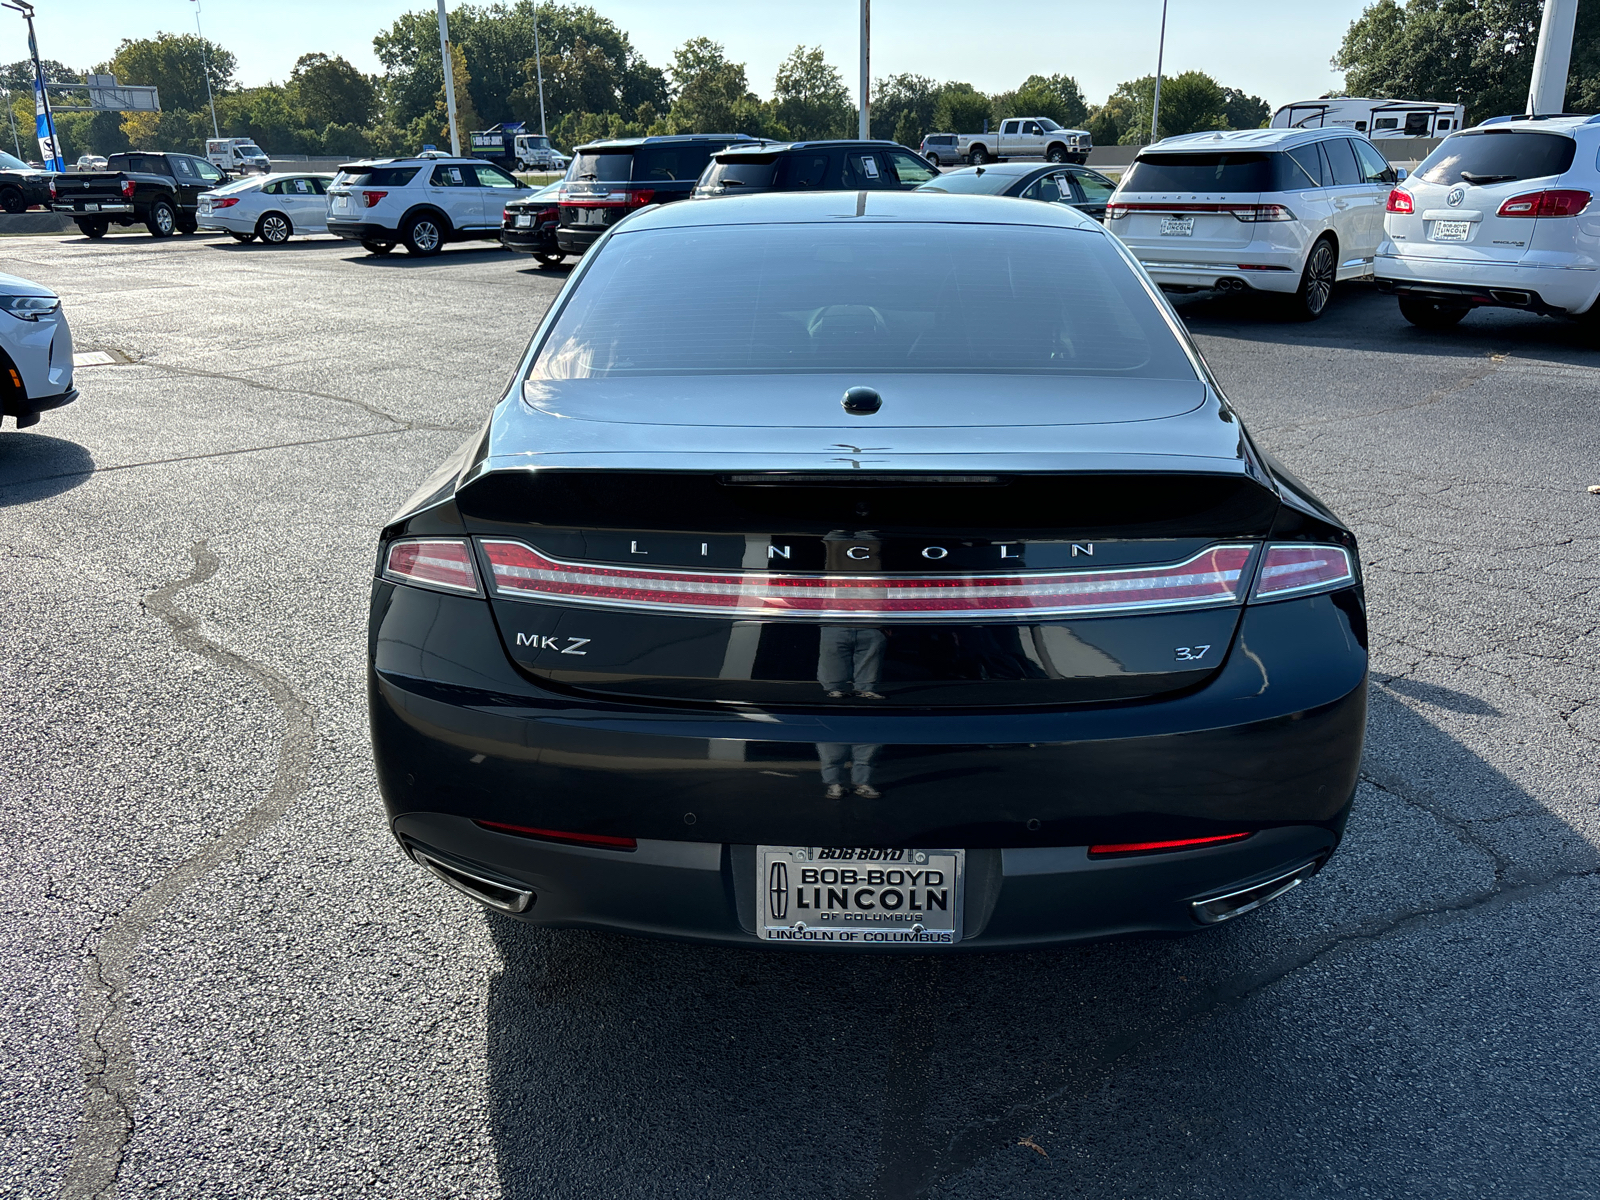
1006, 168
362, 164
888, 207
762, 147
1251, 139
1565, 123
674, 139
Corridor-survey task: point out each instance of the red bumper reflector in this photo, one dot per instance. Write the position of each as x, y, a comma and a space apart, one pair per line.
598, 840
1290, 570
1212, 577
1158, 847
444, 563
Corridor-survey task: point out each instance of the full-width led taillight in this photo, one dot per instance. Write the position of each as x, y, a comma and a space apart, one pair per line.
444, 563
1399, 202
1214, 576
1110, 848
1555, 202
1296, 569
1240, 212
641, 197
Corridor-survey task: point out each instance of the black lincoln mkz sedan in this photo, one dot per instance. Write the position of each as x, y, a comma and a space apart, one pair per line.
905, 582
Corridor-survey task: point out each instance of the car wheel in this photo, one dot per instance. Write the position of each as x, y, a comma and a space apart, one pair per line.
377, 247
424, 236
1058, 154
550, 260
274, 228
978, 157
243, 237
163, 221
94, 229
1316, 282
188, 225
1430, 314
13, 201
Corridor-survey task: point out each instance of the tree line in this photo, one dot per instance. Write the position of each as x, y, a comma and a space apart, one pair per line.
596, 84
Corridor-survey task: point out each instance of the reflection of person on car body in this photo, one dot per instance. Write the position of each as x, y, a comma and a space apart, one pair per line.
849, 663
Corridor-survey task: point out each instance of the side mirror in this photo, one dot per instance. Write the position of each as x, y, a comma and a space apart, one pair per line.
1400, 174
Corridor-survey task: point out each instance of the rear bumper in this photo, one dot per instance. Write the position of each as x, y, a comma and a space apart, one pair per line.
1548, 287
576, 241
76, 209
361, 231
1271, 744
1260, 268
1016, 898
529, 241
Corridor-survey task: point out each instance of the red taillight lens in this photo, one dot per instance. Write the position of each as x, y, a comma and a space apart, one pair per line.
1115, 212
128, 187
1159, 847
641, 197
1261, 212
505, 215
1557, 202
1214, 576
225, 202
1399, 202
444, 563
1297, 570
598, 840
368, 199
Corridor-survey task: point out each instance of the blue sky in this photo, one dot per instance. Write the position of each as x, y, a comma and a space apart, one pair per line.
1278, 50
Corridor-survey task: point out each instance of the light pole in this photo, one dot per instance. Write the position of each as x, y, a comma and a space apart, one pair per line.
205, 67
538, 67
866, 70
1547, 91
449, 80
49, 145
1161, 50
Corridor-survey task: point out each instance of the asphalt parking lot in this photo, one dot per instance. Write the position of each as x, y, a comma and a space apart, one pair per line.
222, 979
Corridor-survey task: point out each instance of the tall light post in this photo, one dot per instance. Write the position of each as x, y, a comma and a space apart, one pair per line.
1161, 50
49, 144
866, 70
205, 65
449, 80
1547, 91
538, 67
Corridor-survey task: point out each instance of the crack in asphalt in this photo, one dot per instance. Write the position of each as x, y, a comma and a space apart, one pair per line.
111, 1085
1493, 362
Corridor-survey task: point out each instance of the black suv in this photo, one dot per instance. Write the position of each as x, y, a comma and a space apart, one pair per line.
609, 180
839, 166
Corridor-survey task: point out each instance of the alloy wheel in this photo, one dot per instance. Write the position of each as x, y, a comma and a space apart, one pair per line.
274, 229
1319, 279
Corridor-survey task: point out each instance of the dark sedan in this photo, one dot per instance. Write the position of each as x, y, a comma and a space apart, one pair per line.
22, 186
905, 582
1051, 182
529, 225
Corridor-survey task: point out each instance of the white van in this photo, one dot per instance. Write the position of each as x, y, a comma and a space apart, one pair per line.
534, 152
1376, 118
237, 156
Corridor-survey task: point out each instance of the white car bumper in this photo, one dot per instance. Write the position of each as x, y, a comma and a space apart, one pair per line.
222, 221
1263, 270
1554, 279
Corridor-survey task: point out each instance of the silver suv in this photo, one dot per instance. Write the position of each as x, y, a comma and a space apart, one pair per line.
420, 203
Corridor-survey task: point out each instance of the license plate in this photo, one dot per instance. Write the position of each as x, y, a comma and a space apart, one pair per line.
524, 221
91, 207
205, 208
341, 201
1451, 231
1177, 226
591, 216
865, 896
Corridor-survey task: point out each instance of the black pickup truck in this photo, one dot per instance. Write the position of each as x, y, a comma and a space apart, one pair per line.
159, 191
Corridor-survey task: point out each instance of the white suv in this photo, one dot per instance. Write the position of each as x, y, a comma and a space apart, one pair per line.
1290, 211
420, 203
1499, 215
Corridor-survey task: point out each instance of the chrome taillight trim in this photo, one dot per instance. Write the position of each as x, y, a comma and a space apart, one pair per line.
432, 584
762, 588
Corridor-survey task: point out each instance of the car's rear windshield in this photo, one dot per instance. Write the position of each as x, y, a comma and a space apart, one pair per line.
1236, 171
829, 298
610, 167
975, 181
740, 172
378, 177
1497, 156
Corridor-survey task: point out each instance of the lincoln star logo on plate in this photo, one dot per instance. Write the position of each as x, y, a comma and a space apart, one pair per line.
778, 890
1455, 196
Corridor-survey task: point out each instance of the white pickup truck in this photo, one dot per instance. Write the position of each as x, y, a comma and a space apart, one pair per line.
1026, 137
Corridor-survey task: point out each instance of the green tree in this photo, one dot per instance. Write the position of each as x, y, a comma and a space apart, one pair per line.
467, 118
809, 97
330, 90
1108, 123
1478, 50
962, 108
1055, 96
177, 66
710, 94
1242, 111
903, 105
18, 76
1190, 103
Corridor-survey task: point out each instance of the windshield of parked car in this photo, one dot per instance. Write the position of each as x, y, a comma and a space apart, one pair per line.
10, 162
1497, 156
972, 181
1046, 124
251, 150
828, 298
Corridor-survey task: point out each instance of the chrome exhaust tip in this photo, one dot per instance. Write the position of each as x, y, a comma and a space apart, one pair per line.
495, 893
1213, 910
1512, 297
